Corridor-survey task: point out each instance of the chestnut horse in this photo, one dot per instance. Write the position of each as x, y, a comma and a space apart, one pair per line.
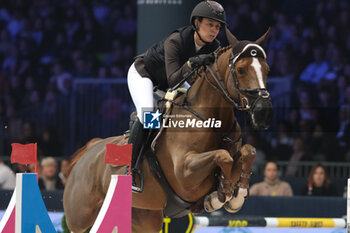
192, 158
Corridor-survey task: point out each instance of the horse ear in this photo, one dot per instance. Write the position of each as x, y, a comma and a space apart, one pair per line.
231, 38
262, 40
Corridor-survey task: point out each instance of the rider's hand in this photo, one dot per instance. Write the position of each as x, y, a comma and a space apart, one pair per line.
201, 60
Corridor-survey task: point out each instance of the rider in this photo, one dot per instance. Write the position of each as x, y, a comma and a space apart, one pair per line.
166, 63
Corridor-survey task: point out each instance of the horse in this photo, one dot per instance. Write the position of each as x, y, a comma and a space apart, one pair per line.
208, 168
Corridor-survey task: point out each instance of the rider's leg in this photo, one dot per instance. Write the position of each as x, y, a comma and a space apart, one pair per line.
141, 90
136, 138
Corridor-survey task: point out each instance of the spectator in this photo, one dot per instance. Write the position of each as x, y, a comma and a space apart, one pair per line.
7, 177
282, 143
64, 171
260, 157
319, 183
347, 95
272, 185
49, 143
310, 42
343, 133
342, 83
61, 78
31, 168
103, 72
299, 154
16, 23
328, 111
337, 63
51, 101
316, 70
5, 42
49, 174
28, 135
319, 142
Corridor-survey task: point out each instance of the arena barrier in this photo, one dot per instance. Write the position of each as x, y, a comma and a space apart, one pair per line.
224, 221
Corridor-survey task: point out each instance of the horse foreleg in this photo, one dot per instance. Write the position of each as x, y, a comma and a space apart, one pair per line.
146, 221
246, 160
197, 166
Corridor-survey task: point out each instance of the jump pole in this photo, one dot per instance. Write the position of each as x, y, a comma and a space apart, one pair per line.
223, 221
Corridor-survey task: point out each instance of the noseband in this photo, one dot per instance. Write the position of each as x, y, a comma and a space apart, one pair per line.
247, 98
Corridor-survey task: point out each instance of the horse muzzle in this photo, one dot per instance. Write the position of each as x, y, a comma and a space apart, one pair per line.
262, 113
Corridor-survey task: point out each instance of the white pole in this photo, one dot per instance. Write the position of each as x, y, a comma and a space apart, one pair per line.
348, 209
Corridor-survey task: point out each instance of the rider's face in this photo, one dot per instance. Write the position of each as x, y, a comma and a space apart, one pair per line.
208, 29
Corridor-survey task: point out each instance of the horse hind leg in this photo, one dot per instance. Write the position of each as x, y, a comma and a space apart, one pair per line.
246, 160
82, 220
79, 211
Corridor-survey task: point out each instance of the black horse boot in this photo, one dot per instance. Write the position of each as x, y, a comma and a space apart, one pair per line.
137, 138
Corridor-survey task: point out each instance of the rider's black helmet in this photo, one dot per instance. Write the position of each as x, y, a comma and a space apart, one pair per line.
209, 9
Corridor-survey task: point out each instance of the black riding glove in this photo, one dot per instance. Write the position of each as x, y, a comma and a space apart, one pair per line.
201, 60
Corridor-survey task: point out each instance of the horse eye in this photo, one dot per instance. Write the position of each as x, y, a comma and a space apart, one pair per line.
241, 70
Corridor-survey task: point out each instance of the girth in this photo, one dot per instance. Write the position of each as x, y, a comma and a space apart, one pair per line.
176, 207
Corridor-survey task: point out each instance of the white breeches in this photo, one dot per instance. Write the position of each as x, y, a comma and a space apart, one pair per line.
141, 91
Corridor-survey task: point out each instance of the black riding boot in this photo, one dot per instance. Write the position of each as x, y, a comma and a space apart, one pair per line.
137, 138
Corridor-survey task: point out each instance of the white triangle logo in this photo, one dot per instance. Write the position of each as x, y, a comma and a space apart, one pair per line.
115, 230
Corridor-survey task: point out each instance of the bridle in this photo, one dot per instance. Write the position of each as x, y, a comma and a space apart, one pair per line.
247, 98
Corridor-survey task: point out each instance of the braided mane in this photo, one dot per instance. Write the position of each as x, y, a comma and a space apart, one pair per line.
223, 50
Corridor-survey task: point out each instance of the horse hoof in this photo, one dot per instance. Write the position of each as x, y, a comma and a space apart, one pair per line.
207, 205
233, 208
236, 203
212, 203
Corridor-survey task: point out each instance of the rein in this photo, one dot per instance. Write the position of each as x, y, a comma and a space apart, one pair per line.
186, 107
221, 88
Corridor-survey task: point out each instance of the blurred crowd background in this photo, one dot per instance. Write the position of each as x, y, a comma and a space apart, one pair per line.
46, 44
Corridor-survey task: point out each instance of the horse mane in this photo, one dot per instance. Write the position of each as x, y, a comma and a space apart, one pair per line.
79, 153
223, 50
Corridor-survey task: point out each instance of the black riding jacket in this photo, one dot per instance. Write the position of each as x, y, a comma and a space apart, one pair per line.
165, 62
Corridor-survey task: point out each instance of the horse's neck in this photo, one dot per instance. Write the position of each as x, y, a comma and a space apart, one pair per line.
202, 95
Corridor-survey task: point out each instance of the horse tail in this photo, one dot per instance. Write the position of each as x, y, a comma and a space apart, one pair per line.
79, 153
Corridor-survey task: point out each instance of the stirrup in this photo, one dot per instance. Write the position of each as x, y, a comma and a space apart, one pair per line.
134, 188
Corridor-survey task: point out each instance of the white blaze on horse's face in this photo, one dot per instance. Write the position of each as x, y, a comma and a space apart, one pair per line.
257, 67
